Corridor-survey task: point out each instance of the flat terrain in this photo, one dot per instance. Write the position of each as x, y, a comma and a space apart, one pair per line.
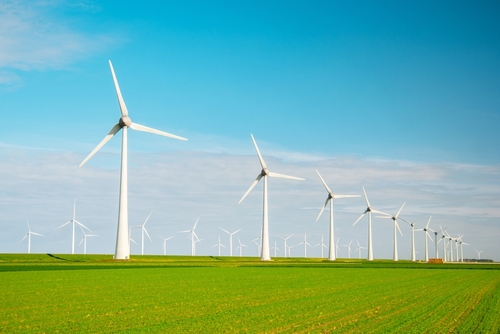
91, 293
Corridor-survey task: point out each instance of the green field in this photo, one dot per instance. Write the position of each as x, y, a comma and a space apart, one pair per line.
77, 293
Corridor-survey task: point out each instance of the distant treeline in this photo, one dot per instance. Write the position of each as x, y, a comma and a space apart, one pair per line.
478, 260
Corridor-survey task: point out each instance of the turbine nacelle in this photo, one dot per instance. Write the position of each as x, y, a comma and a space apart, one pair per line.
125, 121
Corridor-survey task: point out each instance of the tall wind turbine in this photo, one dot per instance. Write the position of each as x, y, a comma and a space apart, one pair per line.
193, 236
219, 245
143, 229
369, 211
265, 254
165, 243
84, 240
426, 230
29, 237
74, 221
231, 240
285, 239
413, 257
122, 250
396, 225
331, 196
240, 246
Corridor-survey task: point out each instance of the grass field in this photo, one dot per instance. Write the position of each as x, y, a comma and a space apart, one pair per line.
77, 293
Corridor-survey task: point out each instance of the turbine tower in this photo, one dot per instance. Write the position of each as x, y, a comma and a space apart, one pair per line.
122, 249
265, 254
74, 221
231, 239
330, 198
396, 225
29, 237
369, 210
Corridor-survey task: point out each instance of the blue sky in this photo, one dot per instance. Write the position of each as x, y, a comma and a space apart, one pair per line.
399, 97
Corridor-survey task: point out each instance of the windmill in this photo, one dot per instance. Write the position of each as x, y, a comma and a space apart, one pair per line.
84, 240
396, 225
359, 249
331, 196
143, 230
194, 237
231, 239
28, 235
240, 247
164, 243
426, 230
285, 239
265, 255
122, 250
275, 248
413, 258
219, 245
479, 254
75, 222
369, 211
348, 249
322, 245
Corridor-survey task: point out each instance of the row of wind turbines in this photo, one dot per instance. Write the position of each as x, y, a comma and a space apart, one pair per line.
122, 249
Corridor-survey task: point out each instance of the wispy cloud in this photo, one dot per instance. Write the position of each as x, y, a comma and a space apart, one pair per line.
34, 37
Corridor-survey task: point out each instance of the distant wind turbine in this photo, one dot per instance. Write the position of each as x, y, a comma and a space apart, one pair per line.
265, 254
165, 243
29, 237
193, 236
331, 196
122, 250
369, 211
396, 225
143, 230
240, 247
306, 244
231, 239
219, 245
275, 248
348, 249
479, 254
84, 240
426, 230
74, 221
359, 249
285, 239
322, 245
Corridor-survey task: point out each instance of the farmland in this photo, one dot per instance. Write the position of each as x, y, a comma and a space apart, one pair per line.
64, 293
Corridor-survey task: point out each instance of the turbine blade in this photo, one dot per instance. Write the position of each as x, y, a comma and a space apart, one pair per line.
196, 223
254, 183
382, 213
285, 176
37, 234
76, 221
323, 208
397, 214
123, 107
224, 230
427, 226
134, 241
143, 128
147, 219
345, 196
366, 197
62, 225
110, 135
324, 183
357, 220
397, 225
24, 238
80, 242
262, 162
147, 233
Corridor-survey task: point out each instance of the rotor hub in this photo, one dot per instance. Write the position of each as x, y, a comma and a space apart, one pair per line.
264, 172
125, 121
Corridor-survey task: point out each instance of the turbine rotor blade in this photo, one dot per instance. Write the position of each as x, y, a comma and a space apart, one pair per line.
81, 225
110, 135
262, 162
147, 233
345, 196
254, 183
123, 107
324, 183
63, 225
196, 223
397, 225
397, 214
147, 219
323, 208
24, 237
357, 220
285, 176
366, 198
143, 128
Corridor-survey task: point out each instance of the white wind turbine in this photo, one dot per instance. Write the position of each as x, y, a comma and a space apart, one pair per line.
265, 254
337, 247
359, 249
240, 247
331, 196
75, 222
462, 243
443, 237
396, 226
122, 250
348, 249
285, 239
193, 236
322, 245
29, 237
143, 229
231, 239
165, 243
84, 240
257, 242
426, 230
219, 245
413, 257
479, 254
369, 210
306, 244
275, 248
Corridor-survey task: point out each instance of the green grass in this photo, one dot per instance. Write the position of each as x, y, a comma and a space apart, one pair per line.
202, 294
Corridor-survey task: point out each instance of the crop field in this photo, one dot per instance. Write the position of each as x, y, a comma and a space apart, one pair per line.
47, 293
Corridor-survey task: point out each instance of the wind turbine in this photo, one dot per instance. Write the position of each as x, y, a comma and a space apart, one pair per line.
396, 225
143, 229
443, 237
240, 246
369, 210
426, 229
306, 244
84, 240
275, 248
359, 249
462, 243
478, 254
285, 239
256, 241
231, 239
193, 236
348, 249
74, 221
265, 255
322, 244
337, 248
165, 243
331, 196
122, 250
413, 258
130, 237
29, 237
219, 245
